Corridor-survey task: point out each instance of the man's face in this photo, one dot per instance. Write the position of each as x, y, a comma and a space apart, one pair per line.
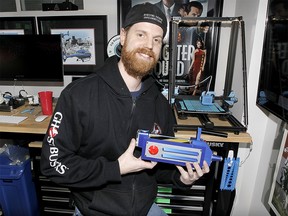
194, 12
204, 29
141, 48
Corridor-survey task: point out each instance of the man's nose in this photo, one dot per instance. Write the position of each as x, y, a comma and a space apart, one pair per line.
149, 43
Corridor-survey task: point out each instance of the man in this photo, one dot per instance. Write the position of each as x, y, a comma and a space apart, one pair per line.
90, 145
193, 9
201, 32
190, 9
169, 8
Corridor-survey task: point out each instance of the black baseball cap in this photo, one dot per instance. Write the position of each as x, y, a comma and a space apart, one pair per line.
146, 12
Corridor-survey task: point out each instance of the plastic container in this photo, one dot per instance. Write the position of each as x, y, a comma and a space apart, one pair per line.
17, 190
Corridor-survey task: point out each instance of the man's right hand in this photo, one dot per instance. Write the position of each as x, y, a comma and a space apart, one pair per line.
128, 163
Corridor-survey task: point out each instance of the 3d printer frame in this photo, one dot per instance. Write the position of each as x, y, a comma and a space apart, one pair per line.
236, 23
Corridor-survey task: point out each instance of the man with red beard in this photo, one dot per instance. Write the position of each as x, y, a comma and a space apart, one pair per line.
97, 118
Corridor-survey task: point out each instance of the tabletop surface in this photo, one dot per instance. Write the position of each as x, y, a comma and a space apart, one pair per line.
29, 125
32, 127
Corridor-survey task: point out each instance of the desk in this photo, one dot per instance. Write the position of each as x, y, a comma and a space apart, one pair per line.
29, 125
241, 137
203, 195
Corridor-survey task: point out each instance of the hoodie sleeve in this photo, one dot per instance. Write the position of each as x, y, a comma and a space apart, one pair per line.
60, 158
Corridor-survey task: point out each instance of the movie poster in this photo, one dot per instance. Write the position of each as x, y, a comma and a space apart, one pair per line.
193, 50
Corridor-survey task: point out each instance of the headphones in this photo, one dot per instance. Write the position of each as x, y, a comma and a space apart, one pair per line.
21, 95
7, 96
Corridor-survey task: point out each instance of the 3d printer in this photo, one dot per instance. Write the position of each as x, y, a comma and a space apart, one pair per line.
206, 103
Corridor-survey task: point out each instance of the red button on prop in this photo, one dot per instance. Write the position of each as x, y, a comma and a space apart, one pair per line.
153, 150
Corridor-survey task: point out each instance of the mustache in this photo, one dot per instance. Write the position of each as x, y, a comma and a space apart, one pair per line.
146, 51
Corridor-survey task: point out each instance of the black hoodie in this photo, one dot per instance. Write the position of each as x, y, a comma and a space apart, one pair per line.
93, 123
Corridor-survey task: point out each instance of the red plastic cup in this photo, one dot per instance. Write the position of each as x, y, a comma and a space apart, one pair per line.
45, 98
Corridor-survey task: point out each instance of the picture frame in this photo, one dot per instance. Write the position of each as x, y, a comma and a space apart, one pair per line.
84, 41
17, 25
211, 8
278, 198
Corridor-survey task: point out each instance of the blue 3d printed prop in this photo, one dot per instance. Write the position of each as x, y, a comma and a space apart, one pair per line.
175, 150
229, 174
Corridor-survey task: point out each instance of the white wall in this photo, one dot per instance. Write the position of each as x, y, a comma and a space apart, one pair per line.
256, 173
254, 178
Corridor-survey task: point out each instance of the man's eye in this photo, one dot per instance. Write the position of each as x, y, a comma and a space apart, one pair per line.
157, 40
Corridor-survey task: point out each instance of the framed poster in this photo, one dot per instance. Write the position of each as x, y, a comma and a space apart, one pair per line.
278, 199
205, 31
84, 41
17, 25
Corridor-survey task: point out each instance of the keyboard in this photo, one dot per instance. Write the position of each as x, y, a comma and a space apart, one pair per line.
12, 119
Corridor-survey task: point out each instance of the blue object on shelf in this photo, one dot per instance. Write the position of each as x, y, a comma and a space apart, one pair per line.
229, 174
17, 189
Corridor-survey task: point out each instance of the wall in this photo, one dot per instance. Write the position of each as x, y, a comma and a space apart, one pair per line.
256, 173
257, 161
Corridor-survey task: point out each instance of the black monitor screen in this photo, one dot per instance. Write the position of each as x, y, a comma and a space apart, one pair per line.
273, 80
31, 58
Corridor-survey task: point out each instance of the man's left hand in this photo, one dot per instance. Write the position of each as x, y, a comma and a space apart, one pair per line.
189, 176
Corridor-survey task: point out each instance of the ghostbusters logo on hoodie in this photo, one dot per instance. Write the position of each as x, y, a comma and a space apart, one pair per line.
54, 150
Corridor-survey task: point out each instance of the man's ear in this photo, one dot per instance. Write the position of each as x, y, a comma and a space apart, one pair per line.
123, 34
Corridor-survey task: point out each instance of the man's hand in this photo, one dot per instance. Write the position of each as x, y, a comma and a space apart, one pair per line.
189, 177
129, 164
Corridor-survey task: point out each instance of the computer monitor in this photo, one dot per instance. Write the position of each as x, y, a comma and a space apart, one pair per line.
31, 59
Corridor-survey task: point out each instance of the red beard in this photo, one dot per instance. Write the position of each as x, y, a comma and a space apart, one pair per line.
137, 67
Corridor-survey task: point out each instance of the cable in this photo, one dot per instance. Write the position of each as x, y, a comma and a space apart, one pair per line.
250, 150
185, 86
210, 80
